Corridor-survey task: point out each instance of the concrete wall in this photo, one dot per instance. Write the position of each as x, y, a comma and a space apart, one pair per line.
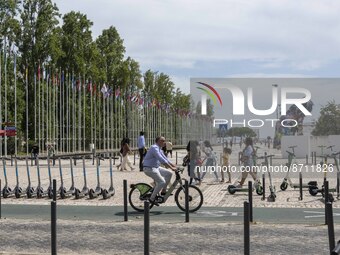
302, 142
309, 144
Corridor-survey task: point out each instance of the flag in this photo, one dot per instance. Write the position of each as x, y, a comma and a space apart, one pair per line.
89, 86
94, 89
117, 92
104, 90
108, 93
39, 72
15, 63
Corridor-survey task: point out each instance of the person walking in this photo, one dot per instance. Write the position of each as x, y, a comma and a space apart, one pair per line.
168, 146
248, 162
193, 162
225, 163
141, 149
210, 159
125, 151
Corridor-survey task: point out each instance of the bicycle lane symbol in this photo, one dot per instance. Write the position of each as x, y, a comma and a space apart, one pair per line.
317, 214
216, 214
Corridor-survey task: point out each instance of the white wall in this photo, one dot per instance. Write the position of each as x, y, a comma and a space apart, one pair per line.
309, 144
302, 142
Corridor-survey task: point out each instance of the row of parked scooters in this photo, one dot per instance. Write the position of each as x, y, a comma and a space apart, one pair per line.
312, 186
63, 192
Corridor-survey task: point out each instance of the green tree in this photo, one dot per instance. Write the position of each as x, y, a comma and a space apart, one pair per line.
329, 120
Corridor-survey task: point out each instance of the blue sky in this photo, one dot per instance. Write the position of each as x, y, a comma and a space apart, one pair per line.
230, 38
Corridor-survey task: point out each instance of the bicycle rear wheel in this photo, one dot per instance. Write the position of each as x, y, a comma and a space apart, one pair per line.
139, 193
195, 198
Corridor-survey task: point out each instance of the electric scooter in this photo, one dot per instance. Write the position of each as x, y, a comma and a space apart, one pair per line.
85, 191
40, 190
17, 190
287, 181
30, 192
62, 190
111, 191
6, 191
98, 191
272, 195
315, 191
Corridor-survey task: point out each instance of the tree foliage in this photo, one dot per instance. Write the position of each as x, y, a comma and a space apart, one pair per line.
329, 120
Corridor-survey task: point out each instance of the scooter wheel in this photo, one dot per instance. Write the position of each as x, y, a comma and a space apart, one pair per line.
284, 186
91, 192
30, 192
259, 190
231, 189
104, 194
76, 193
17, 194
271, 198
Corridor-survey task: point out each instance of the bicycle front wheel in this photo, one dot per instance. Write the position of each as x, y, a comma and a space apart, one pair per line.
195, 198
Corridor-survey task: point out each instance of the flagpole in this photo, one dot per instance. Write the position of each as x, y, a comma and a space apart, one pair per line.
42, 111
79, 115
104, 136
15, 102
84, 136
26, 110
91, 110
5, 70
47, 104
1, 100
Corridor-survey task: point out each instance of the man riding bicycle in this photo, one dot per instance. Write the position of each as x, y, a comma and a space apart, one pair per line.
151, 167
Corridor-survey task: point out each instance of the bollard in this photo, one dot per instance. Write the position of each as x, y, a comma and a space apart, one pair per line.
12, 160
264, 186
176, 158
326, 196
187, 201
246, 217
53, 227
331, 239
306, 159
134, 158
337, 185
125, 200
93, 159
53, 159
75, 161
315, 158
0, 198
114, 159
146, 228
250, 198
54, 190
300, 186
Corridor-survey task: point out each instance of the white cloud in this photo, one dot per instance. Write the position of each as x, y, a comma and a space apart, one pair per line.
301, 35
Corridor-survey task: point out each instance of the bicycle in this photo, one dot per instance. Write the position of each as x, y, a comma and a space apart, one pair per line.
141, 192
